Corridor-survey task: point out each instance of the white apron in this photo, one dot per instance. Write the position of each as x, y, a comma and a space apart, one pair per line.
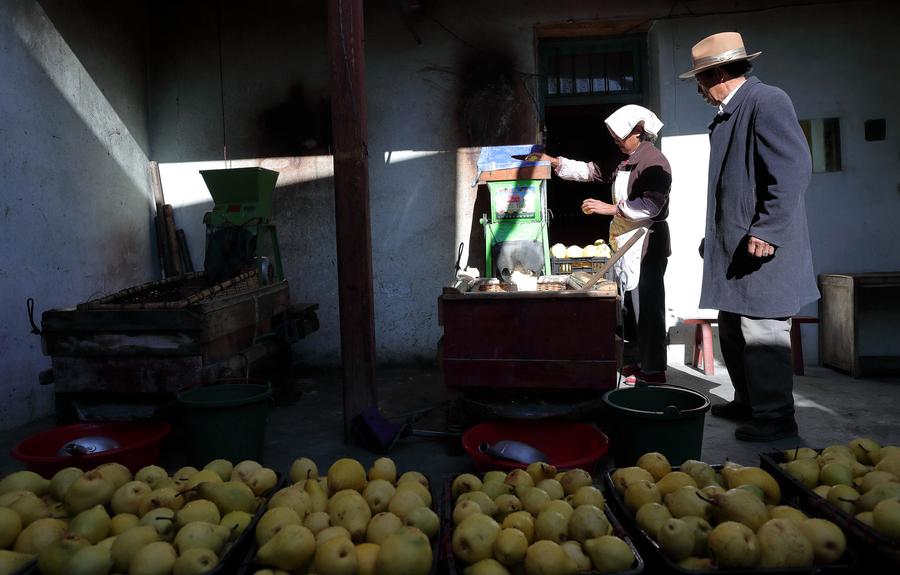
627, 269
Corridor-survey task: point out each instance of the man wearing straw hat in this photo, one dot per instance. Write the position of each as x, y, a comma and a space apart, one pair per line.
757, 264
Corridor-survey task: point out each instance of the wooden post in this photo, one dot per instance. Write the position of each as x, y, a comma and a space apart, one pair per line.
351, 205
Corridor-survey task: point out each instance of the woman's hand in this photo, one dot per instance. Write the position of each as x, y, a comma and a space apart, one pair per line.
592, 206
539, 157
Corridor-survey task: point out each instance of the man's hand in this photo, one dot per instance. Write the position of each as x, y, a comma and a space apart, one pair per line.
759, 249
592, 206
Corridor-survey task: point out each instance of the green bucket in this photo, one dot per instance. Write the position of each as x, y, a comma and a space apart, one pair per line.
663, 418
226, 420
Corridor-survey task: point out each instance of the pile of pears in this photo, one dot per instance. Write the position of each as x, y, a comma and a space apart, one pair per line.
861, 478
536, 521
352, 521
706, 519
107, 520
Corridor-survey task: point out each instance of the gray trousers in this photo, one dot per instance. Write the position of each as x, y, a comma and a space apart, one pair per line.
757, 353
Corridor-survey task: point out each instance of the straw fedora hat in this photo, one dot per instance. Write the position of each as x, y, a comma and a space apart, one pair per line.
715, 50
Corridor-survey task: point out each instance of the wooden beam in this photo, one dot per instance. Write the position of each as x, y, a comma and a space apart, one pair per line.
582, 28
351, 205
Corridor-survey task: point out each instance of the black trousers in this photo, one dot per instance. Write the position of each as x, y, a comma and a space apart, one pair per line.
649, 315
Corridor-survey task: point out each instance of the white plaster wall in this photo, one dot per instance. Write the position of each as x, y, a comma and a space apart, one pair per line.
74, 198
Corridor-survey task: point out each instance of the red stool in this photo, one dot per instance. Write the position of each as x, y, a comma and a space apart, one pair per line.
702, 357
797, 342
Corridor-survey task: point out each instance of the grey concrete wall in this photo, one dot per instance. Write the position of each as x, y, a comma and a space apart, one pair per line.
75, 193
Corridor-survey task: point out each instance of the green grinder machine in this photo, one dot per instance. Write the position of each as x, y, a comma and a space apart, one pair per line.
239, 229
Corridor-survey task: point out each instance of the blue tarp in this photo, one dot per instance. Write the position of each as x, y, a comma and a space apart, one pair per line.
501, 157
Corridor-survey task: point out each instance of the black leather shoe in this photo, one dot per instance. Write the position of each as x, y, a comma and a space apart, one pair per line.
763, 430
732, 410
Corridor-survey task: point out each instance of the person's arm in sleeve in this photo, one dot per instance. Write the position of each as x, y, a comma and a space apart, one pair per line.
784, 156
653, 185
574, 170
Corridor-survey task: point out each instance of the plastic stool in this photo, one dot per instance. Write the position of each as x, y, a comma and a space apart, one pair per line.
702, 358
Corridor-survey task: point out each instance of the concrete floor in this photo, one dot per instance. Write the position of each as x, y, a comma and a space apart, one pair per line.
306, 419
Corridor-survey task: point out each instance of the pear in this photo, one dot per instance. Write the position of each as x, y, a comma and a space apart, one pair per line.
244, 470
876, 456
742, 506
464, 509
609, 554
674, 480
262, 481
822, 490
733, 545
588, 495
107, 543
835, 474
236, 522
486, 567
782, 544
222, 467
195, 562
520, 480
827, 539
587, 522
406, 552
866, 517
553, 488
534, 500
755, 490
14, 562
346, 473
199, 477
473, 539
843, 497
656, 463
405, 501
303, 469
366, 556
507, 503
806, 471
123, 522
701, 529
702, 473
574, 479
318, 497
413, 476
26, 504
296, 499
697, 564
787, 512
90, 560
873, 478
203, 535
624, 476
39, 534
561, 507
290, 549
61, 480
157, 558
676, 539
10, 527
336, 557
93, 524
383, 468
272, 521
651, 516
330, 533
115, 473
424, 519
25, 481
348, 509
540, 470
688, 500
886, 517
488, 507
420, 490
464, 483
127, 498
495, 489
494, 475
576, 553
163, 520
735, 477
641, 492
151, 475
890, 463
523, 521
53, 558
711, 490
551, 526
166, 497
510, 546
229, 496
547, 557
317, 521
378, 494
799, 453
127, 544
870, 498
381, 526
198, 510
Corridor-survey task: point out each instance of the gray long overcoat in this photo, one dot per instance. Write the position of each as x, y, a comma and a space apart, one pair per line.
759, 169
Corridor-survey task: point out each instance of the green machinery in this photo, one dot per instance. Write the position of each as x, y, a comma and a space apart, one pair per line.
515, 230
239, 229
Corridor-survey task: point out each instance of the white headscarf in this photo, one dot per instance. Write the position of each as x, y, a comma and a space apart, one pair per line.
623, 121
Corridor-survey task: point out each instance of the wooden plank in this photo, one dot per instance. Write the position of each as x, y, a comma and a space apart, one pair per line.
123, 344
346, 52
165, 266
125, 375
524, 374
522, 173
172, 240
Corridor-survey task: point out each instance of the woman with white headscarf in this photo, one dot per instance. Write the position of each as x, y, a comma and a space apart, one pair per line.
641, 184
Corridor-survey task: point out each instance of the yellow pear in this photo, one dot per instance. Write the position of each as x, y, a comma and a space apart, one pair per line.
123, 522
651, 516
656, 463
151, 475
26, 504
609, 554
222, 467
10, 527
127, 544
366, 556
676, 539
540, 471
876, 456
349, 510
378, 494
381, 526
39, 534
236, 522
262, 481
166, 497
318, 497
886, 517
587, 522
828, 541
407, 551
870, 498
53, 558
697, 564
127, 498
157, 558
574, 479
405, 501
553, 488
473, 539
464, 509
330, 533
163, 520
346, 473
735, 477
507, 503
197, 478
688, 500
782, 544
90, 560
494, 475
547, 557
510, 546
873, 478
843, 497
229, 496
413, 476
464, 483
534, 499
486, 567
244, 470
702, 473
835, 474
488, 506
866, 517
317, 521
14, 562
788, 512
303, 469
551, 526
336, 557
61, 480
195, 562
115, 473
890, 463
383, 468
674, 480
93, 524
520, 480
588, 495
198, 510
625, 476
199, 534
423, 519
272, 521
640, 493
576, 553
495, 489
733, 545
88, 490
799, 453
804, 470
296, 499
25, 481
701, 529
523, 521
740, 505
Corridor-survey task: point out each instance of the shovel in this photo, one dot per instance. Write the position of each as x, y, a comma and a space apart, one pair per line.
512, 450
377, 433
